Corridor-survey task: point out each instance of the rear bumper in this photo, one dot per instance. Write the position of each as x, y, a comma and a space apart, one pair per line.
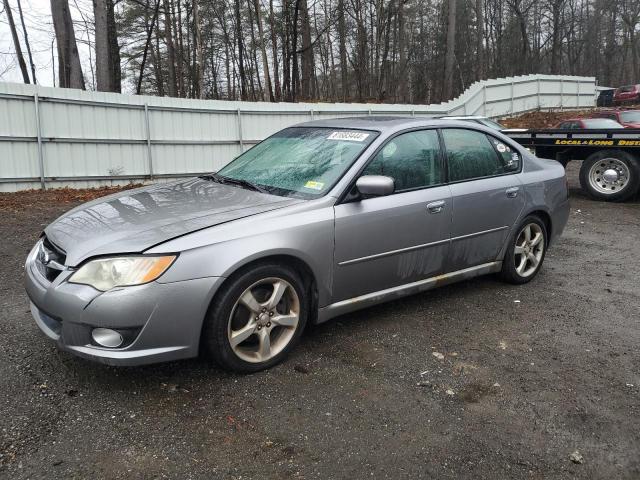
162, 322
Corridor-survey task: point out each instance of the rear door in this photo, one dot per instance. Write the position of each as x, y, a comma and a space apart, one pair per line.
486, 193
383, 242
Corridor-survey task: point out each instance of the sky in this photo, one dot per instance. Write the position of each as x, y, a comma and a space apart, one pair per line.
39, 25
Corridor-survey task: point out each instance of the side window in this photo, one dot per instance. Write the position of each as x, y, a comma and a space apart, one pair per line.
472, 154
411, 159
510, 158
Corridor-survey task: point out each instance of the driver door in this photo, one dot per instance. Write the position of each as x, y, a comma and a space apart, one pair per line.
388, 241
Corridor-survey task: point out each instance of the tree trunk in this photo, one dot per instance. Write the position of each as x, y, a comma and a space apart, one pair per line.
306, 89
171, 52
69, 68
16, 43
26, 42
268, 91
481, 70
342, 40
199, 73
103, 77
447, 92
115, 70
274, 50
243, 79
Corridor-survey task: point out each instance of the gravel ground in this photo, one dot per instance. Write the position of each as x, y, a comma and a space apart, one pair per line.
474, 380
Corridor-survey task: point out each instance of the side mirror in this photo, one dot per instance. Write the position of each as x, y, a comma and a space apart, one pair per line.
375, 185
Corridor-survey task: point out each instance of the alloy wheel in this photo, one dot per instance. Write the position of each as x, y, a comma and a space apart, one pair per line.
529, 249
264, 320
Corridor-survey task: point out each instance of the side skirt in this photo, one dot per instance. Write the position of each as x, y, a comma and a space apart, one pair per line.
374, 298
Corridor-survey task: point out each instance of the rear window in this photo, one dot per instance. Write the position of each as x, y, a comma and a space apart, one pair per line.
600, 123
627, 88
630, 117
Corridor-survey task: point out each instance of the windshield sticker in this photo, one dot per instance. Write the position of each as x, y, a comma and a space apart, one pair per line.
314, 185
501, 148
351, 136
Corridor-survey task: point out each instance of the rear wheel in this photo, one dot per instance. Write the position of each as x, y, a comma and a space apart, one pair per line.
257, 319
610, 175
526, 252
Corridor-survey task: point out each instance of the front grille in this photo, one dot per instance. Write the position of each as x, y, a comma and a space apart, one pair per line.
50, 260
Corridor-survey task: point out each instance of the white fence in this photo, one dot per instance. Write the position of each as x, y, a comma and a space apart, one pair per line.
52, 137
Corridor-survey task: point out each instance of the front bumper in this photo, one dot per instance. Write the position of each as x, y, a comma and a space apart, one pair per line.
164, 319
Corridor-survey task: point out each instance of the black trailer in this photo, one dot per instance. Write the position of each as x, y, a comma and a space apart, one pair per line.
611, 158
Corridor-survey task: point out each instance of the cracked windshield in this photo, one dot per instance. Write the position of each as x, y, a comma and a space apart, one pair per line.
300, 162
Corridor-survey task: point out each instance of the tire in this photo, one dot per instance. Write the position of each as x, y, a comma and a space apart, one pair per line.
513, 270
251, 318
624, 175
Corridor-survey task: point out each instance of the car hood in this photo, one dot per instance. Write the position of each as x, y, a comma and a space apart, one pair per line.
135, 220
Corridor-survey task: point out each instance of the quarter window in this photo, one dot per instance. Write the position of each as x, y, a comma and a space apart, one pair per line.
472, 154
411, 159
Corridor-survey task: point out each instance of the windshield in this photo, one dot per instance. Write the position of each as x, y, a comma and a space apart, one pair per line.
300, 161
600, 123
630, 117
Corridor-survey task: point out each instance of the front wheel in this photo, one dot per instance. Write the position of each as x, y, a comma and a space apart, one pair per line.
610, 175
526, 251
257, 318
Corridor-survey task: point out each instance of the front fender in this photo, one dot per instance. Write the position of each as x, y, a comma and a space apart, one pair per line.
307, 235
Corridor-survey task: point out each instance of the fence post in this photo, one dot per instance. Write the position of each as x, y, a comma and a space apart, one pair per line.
484, 99
240, 139
36, 103
578, 94
311, 114
561, 94
512, 93
538, 89
148, 134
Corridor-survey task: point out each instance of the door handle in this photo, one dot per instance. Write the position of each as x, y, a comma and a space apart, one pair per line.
436, 207
512, 192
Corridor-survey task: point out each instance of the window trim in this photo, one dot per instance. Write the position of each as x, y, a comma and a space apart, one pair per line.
446, 156
441, 161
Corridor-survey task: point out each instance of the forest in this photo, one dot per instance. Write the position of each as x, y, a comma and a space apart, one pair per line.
377, 51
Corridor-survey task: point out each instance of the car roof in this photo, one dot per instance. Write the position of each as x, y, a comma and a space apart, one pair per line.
382, 123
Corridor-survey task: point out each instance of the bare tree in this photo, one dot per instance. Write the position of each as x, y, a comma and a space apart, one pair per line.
26, 42
69, 68
450, 57
16, 42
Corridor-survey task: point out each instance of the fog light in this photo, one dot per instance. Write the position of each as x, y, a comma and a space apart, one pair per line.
106, 337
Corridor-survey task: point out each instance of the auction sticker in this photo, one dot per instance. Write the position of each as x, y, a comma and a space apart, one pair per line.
501, 147
351, 136
314, 185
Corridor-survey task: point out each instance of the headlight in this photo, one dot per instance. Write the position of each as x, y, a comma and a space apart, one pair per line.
106, 273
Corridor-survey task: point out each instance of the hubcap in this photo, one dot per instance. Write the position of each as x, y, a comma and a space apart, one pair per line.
609, 176
263, 320
529, 249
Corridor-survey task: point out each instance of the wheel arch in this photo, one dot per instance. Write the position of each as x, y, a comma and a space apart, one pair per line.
301, 267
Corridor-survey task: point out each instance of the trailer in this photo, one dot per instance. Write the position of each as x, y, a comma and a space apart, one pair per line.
610, 168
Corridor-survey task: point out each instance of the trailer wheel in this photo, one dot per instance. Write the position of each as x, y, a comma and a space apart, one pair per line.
610, 175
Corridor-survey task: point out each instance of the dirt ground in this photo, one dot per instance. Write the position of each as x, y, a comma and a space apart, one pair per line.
524, 377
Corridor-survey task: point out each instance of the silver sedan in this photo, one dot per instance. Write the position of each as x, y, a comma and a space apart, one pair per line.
315, 221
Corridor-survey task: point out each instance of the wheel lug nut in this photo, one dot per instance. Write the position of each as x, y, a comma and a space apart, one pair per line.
268, 324
259, 327
264, 310
271, 314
